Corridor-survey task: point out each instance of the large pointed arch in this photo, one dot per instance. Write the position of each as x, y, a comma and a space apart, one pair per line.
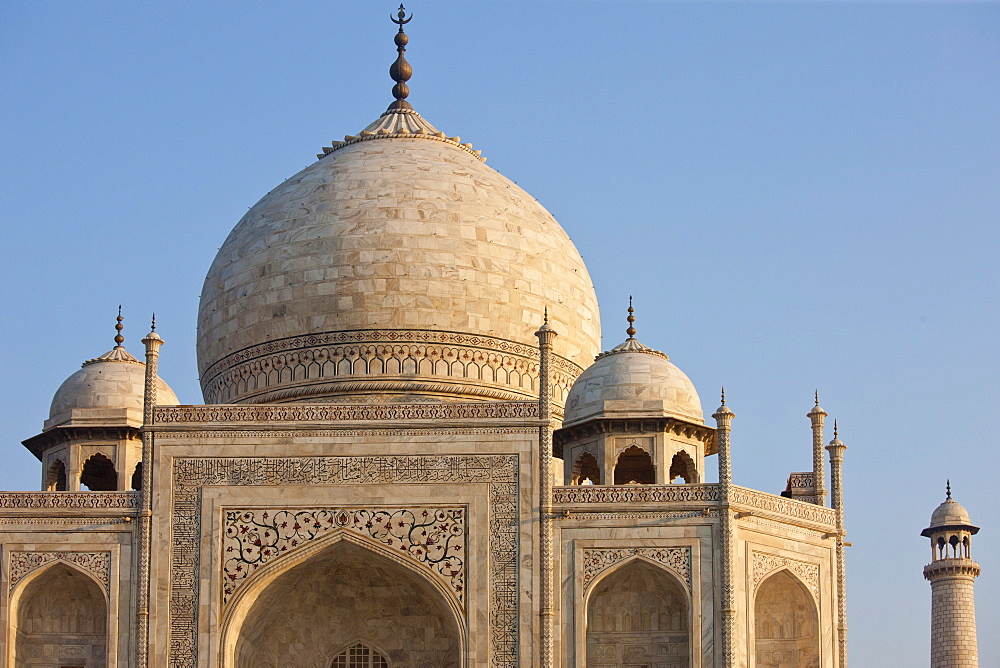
363, 567
99, 474
786, 622
638, 611
59, 605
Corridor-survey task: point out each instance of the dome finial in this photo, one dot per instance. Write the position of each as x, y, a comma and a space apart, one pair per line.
835, 434
948, 488
152, 327
119, 339
400, 70
545, 316
817, 397
723, 395
631, 319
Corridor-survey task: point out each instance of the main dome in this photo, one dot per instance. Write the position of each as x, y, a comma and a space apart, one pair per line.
399, 265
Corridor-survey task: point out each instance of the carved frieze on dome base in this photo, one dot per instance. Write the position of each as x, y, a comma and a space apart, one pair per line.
422, 362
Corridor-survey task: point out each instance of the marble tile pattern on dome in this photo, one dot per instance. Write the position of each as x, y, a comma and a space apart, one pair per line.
413, 453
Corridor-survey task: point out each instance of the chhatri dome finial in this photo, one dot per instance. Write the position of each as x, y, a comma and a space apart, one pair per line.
119, 339
835, 434
723, 395
152, 326
400, 70
948, 489
631, 319
817, 397
545, 316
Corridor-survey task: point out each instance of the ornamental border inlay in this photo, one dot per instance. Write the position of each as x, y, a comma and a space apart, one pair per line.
337, 412
499, 472
96, 563
676, 559
765, 563
635, 493
68, 500
432, 536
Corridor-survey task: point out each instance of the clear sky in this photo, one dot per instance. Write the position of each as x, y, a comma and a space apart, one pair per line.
798, 195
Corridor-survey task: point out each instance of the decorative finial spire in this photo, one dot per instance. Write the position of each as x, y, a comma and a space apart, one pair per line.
545, 316
835, 434
948, 488
119, 339
152, 327
817, 397
631, 319
400, 70
723, 395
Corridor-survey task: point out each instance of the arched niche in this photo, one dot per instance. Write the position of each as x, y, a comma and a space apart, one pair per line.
634, 466
59, 612
99, 474
55, 478
586, 468
786, 623
343, 594
137, 477
683, 467
638, 614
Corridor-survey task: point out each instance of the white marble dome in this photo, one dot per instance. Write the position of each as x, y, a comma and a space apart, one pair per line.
632, 381
399, 264
106, 388
950, 513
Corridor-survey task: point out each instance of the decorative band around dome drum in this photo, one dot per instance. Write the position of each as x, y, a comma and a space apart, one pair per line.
318, 366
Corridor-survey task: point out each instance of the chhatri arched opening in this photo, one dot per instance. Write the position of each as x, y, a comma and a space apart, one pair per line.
137, 477
61, 613
99, 474
638, 615
340, 597
55, 478
359, 655
634, 466
585, 469
682, 467
786, 624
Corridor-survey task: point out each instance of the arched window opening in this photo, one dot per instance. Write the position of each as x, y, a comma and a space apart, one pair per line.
966, 551
99, 474
953, 541
941, 554
786, 623
682, 467
137, 477
634, 466
586, 469
55, 479
638, 616
359, 656
62, 612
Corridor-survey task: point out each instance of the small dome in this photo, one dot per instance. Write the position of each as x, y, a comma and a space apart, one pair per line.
114, 381
950, 513
632, 380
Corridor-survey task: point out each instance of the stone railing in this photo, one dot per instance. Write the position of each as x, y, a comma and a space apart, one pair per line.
68, 501
636, 494
801, 510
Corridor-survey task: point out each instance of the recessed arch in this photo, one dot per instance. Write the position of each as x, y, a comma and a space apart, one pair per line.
638, 611
344, 589
586, 468
99, 474
137, 477
634, 466
55, 478
56, 606
786, 622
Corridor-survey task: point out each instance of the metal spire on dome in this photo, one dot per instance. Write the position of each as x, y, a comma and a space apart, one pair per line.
631, 319
948, 488
400, 70
119, 339
817, 397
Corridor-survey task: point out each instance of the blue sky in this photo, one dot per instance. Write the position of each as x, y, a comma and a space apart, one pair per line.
798, 195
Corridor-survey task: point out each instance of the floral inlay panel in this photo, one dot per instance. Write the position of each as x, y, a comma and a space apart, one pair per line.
433, 537
764, 564
97, 563
676, 559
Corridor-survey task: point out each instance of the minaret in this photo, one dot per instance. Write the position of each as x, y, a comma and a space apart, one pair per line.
952, 573
724, 420
816, 416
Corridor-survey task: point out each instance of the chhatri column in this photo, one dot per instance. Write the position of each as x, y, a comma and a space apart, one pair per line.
723, 420
836, 449
545, 336
952, 574
152, 343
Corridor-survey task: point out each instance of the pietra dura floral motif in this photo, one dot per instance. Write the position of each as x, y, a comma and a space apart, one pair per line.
433, 537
